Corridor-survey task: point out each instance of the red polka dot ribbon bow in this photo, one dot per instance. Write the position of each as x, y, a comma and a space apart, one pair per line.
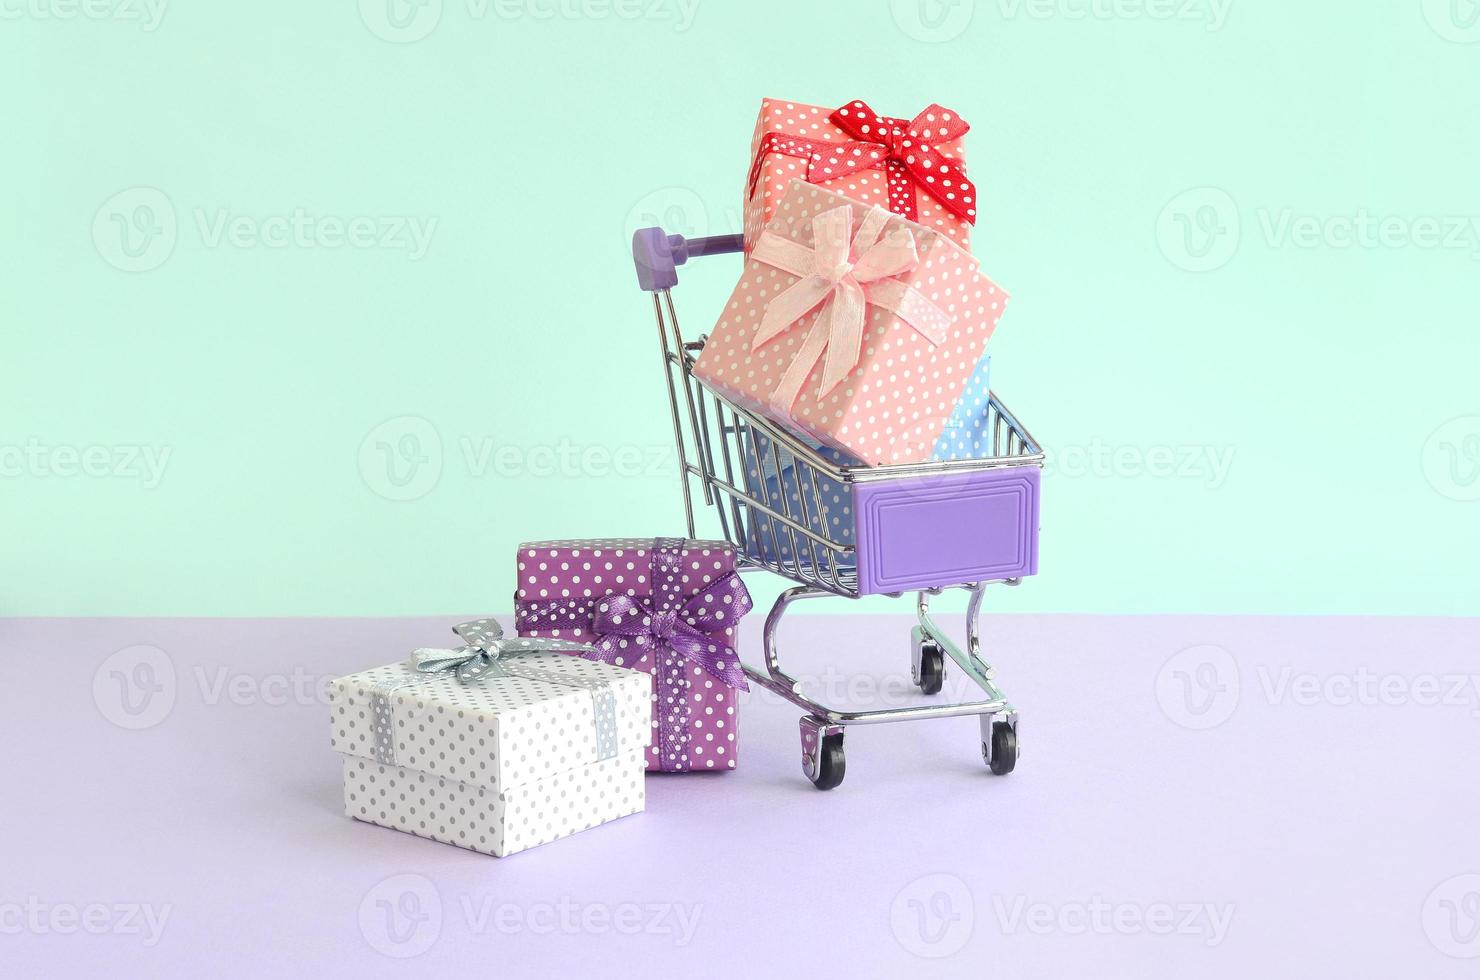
906, 150
623, 621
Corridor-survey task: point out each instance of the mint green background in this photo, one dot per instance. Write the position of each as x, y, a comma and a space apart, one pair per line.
537, 144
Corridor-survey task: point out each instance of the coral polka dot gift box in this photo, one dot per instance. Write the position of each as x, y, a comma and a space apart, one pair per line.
853, 326
915, 167
668, 607
497, 745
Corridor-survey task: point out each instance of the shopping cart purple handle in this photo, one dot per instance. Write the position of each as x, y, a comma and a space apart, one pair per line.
658, 255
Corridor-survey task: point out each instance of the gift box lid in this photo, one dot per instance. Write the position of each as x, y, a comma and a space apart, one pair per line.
496, 731
586, 568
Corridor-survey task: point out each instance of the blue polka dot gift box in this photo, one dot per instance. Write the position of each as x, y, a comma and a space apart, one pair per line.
827, 509
496, 744
967, 434
668, 607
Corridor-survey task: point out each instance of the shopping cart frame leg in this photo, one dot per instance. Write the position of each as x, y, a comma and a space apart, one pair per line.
825, 724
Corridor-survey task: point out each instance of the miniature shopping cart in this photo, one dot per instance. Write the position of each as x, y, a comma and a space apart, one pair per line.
851, 531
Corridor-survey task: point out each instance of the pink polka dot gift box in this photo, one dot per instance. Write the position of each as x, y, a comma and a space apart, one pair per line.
915, 167
668, 607
498, 745
853, 326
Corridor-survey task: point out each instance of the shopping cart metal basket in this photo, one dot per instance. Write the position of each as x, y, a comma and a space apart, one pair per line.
850, 531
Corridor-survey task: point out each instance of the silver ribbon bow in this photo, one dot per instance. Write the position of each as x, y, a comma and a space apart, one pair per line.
487, 653
484, 644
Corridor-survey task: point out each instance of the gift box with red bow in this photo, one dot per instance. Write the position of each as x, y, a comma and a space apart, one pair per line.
914, 167
666, 606
853, 326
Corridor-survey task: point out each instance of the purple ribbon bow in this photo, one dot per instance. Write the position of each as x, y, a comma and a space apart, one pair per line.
684, 630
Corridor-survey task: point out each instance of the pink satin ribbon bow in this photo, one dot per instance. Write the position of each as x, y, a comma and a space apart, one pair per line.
843, 273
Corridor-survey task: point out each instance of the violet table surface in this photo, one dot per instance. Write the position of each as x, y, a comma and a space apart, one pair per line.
1328, 816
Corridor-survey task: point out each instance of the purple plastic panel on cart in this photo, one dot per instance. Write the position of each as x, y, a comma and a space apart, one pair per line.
936, 531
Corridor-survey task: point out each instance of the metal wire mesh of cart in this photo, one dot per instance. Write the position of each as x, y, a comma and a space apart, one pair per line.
781, 502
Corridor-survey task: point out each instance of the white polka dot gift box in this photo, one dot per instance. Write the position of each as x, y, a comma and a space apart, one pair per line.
498, 745
669, 607
853, 326
914, 167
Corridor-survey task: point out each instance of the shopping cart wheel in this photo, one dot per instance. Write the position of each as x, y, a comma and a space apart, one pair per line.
927, 662
1001, 753
822, 753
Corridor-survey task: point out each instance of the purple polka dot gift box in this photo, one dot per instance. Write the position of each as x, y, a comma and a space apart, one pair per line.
853, 326
668, 607
498, 745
